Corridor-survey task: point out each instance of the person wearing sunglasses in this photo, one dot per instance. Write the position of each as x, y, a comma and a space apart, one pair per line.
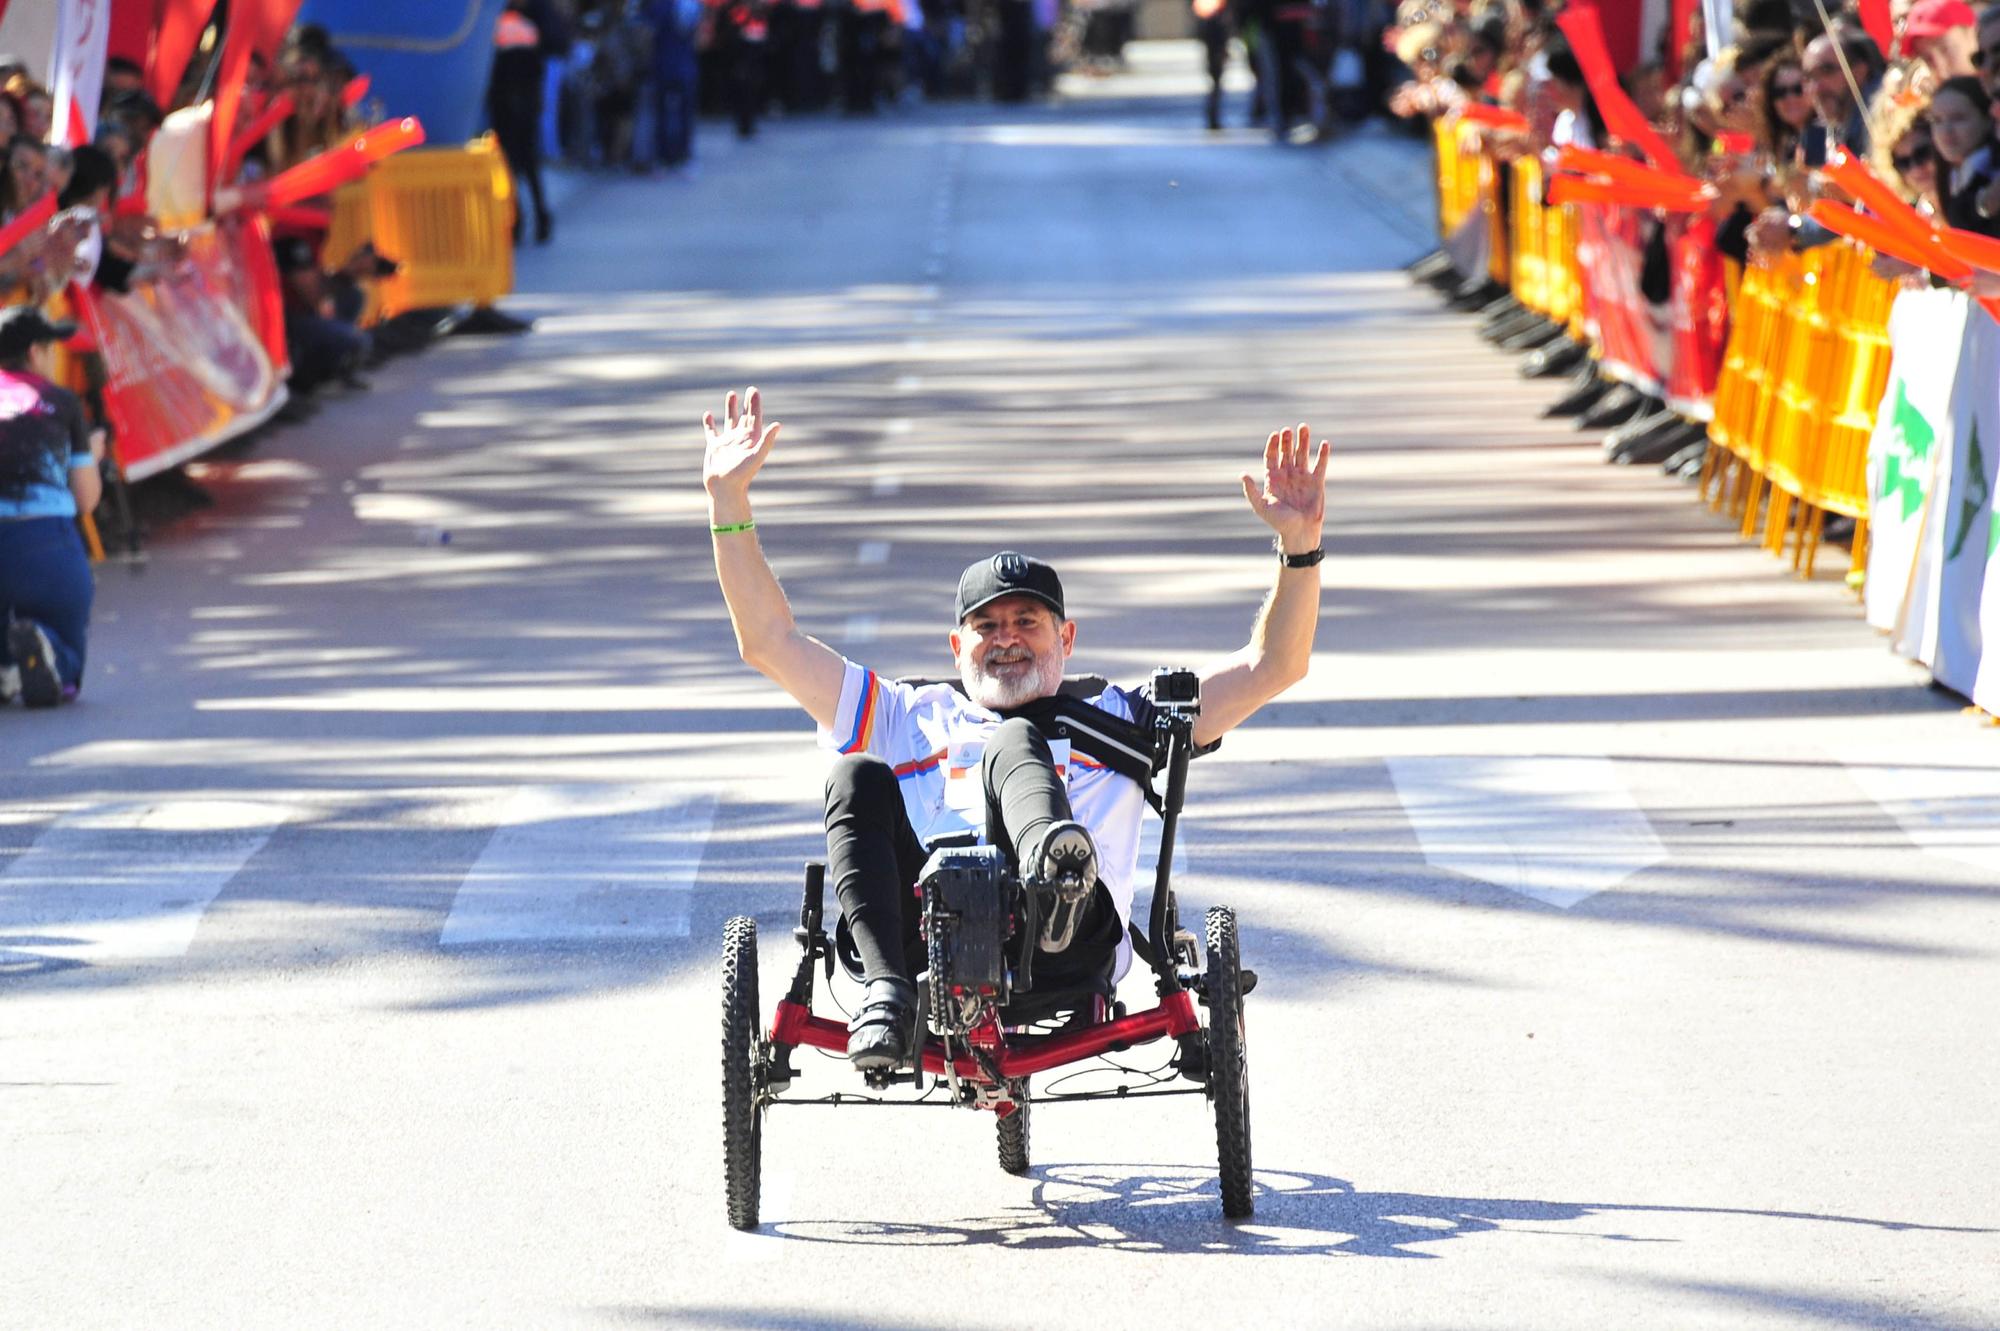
1905, 157
1986, 54
1784, 109
1912, 161
1838, 117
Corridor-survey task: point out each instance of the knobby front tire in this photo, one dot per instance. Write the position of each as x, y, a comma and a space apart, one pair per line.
1013, 1133
1228, 1062
742, 1112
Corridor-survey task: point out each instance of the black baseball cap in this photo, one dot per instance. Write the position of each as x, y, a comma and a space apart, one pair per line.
24, 326
1009, 573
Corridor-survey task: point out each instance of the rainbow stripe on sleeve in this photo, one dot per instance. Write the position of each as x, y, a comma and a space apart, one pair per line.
918, 766
864, 717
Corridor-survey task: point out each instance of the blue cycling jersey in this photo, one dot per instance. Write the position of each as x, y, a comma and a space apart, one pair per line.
42, 438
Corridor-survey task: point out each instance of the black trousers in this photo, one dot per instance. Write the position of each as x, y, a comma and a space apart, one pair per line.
874, 857
518, 128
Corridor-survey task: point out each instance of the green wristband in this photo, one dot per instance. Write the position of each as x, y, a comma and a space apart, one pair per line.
723, 529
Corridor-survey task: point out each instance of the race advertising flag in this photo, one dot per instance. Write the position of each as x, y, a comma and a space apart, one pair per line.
1909, 446
77, 74
195, 358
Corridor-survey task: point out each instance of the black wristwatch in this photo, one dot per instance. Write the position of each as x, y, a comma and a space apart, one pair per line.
1306, 560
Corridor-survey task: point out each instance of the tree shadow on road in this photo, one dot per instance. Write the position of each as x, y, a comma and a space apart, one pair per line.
1167, 1208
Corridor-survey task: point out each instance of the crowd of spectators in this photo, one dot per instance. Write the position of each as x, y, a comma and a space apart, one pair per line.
618, 84
105, 232
111, 215
1755, 116
1315, 63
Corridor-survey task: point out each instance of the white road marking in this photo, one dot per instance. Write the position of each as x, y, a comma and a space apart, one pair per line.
888, 483
584, 861
872, 552
909, 383
1555, 829
128, 880
1947, 808
861, 628
902, 425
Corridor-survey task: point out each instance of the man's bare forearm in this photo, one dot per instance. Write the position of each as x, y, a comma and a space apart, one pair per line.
767, 637
758, 610
1277, 656
1280, 649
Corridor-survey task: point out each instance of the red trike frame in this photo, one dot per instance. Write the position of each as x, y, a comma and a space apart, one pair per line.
1027, 1055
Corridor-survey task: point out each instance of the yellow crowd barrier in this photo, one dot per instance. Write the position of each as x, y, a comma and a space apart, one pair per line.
1806, 366
1543, 268
1530, 270
1804, 370
1493, 187
446, 215
1458, 172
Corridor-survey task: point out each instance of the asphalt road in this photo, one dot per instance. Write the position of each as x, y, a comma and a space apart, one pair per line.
1626, 913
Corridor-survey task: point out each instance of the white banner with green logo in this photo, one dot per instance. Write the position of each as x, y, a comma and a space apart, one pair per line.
1964, 508
1933, 470
1908, 454
1984, 544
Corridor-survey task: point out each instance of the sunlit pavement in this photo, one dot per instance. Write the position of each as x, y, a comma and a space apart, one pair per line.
1626, 913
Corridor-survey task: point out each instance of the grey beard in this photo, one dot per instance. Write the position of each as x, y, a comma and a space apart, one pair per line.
993, 693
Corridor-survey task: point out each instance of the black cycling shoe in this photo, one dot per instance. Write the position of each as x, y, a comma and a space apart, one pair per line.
883, 1031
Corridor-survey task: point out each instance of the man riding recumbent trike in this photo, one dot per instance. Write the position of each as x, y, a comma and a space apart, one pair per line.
983, 839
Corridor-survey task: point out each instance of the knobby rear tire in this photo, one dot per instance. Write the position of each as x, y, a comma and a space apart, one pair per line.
1013, 1133
742, 1052
1228, 1062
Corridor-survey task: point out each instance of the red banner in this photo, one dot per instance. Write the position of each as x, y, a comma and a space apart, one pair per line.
1700, 315
1609, 256
196, 357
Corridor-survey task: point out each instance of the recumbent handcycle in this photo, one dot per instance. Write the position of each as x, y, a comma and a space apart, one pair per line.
985, 1024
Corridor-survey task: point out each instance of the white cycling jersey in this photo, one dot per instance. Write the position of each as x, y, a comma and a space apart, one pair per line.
933, 737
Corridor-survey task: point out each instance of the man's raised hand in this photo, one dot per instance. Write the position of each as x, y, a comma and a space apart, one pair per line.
1291, 496
737, 447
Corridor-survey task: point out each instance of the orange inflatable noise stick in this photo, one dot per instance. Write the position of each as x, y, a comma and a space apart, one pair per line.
336, 166
1493, 117
1627, 194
